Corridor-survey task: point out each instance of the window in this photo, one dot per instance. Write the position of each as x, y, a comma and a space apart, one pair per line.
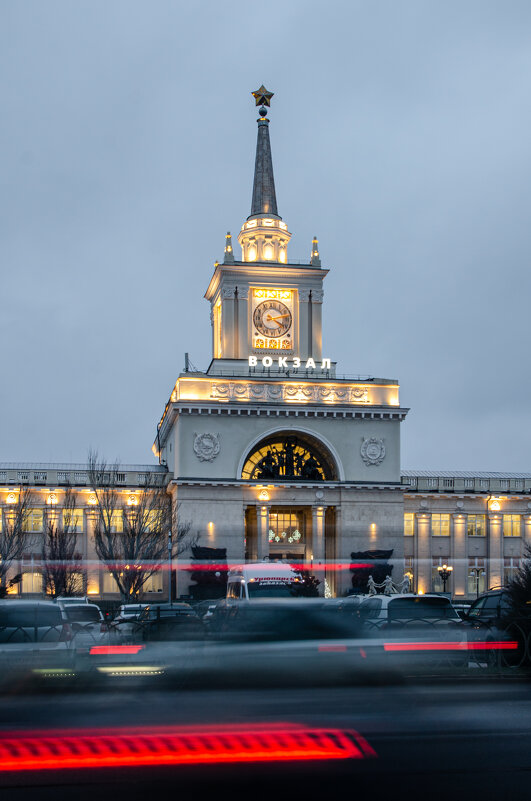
476, 576
33, 521
440, 525
469, 483
409, 524
286, 528
154, 519
433, 482
153, 583
511, 566
109, 583
31, 583
73, 519
475, 525
484, 483
437, 583
115, 521
511, 525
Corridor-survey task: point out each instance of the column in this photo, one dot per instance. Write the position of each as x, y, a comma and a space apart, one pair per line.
262, 515
423, 567
317, 325
318, 545
527, 530
227, 323
495, 551
304, 343
243, 324
458, 556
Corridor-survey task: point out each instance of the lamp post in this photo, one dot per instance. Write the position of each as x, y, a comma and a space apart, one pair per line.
445, 571
477, 573
170, 555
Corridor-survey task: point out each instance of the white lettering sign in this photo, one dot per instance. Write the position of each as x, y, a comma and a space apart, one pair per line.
283, 363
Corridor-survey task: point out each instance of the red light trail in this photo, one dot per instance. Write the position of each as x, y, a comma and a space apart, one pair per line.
27, 751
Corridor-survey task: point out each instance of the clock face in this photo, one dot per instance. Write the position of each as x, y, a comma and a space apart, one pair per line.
272, 318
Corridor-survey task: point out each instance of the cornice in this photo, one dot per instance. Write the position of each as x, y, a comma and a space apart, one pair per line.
287, 274
241, 483
262, 410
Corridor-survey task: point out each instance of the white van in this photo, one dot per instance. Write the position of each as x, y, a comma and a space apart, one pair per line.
262, 580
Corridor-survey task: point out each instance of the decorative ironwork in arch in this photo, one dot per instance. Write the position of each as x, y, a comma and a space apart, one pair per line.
290, 457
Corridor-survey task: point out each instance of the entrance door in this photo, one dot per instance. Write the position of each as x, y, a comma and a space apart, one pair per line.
288, 530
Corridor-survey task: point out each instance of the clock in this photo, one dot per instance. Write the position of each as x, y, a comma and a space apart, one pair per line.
272, 318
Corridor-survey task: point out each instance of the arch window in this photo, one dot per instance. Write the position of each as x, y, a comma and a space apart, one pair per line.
290, 457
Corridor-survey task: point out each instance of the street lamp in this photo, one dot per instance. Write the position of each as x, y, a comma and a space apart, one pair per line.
477, 572
445, 571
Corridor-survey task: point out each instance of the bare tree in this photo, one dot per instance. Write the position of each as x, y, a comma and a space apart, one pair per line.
62, 572
132, 539
14, 535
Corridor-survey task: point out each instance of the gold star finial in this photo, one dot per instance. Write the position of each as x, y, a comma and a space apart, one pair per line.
262, 96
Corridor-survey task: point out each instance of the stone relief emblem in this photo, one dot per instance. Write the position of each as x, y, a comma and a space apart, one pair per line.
206, 446
373, 451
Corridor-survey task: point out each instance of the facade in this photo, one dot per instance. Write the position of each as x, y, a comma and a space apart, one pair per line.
270, 453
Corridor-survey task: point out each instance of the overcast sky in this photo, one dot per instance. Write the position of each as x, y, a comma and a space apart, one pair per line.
400, 134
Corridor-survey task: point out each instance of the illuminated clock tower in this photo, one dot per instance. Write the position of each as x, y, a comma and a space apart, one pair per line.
270, 453
263, 306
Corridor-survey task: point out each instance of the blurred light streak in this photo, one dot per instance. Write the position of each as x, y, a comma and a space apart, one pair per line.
96, 650
489, 645
45, 750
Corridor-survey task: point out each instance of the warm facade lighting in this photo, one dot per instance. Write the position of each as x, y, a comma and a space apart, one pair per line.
132, 500
11, 497
92, 500
51, 499
251, 255
495, 505
264, 495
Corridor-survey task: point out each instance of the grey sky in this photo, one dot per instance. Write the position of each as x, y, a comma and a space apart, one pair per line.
400, 134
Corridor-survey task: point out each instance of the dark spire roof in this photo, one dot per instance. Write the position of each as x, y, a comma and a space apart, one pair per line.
264, 197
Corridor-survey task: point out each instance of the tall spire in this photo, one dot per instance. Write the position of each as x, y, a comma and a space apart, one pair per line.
264, 197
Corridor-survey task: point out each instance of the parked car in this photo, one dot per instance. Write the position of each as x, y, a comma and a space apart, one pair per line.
87, 624
175, 621
399, 611
35, 640
64, 600
492, 617
32, 621
123, 626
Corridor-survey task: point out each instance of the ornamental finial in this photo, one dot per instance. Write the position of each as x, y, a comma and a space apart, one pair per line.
262, 96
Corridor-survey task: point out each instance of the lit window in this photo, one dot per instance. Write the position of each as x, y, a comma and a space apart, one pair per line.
109, 583
153, 583
409, 524
73, 519
286, 529
33, 521
115, 521
511, 525
440, 525
31, 583
475, 525
511, 566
